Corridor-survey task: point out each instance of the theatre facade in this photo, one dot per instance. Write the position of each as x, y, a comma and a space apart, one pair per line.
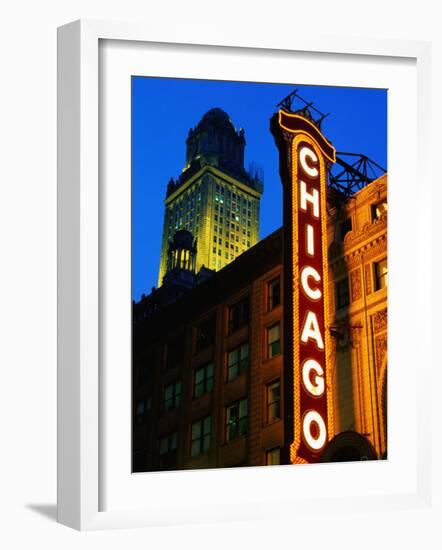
213, 363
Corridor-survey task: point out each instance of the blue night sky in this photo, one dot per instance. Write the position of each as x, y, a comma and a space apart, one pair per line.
163, 110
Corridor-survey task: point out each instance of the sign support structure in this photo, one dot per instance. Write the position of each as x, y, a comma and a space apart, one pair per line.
305, 156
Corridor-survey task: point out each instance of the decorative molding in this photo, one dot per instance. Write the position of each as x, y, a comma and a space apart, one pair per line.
381, 350
356, 286
368, 282
380, 320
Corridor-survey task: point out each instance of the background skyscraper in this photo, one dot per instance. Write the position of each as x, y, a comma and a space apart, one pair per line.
214, 198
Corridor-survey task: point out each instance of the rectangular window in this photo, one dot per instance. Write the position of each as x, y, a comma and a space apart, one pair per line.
377, 210
236, 420
168, 451
273, 457
205, 333
381, 274
142, 408
273, 294
203, 380
342, 293
273, 399
238, 315
174, 352
237, 361
345, 227
273, 341
200, 436
172, 396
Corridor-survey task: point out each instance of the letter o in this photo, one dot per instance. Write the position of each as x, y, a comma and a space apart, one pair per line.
318, 442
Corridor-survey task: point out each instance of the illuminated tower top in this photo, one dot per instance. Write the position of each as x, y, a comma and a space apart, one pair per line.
215, 197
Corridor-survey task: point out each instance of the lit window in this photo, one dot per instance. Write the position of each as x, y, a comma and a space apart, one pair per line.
377, 210
273, 294
273, 400
203, 380
172, 396
168, 447
237, 361
200, 434
273, 457
381, 274
236, 420
273, 341
342, 293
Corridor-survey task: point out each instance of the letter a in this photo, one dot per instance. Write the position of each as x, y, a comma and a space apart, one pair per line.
311, 330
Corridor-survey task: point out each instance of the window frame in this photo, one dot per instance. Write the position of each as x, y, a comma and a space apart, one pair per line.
376, 277
269, 344
338, 296
175, 398
204, 380
241, 369
202, 435
171, 451
244, 319
269, 403
227, 424
199, 345
270, 285
267, 454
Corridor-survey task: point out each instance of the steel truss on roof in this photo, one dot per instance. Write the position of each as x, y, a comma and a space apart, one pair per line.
351, 171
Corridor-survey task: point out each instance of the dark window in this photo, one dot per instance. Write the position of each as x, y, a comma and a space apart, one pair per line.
200, 436
381, 274
273, 401
168, 451
273, 294
237, 361
378, 209
203, 380
174, 351
273, 457
236, 420
238, 315
342, 293
273, 341
172, 396
205, 334
345, 227
141, 410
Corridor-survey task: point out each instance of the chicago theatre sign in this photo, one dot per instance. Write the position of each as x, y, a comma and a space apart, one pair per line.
304, 154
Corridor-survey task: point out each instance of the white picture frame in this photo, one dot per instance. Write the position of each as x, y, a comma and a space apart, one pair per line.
80, 265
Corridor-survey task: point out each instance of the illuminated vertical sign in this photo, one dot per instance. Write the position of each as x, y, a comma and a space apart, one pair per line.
304, 153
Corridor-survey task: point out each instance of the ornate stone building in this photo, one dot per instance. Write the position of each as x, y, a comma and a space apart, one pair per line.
358, 264
214, 198
208, 381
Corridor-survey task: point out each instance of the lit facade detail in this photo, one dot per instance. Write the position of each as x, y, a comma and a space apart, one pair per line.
214, 198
